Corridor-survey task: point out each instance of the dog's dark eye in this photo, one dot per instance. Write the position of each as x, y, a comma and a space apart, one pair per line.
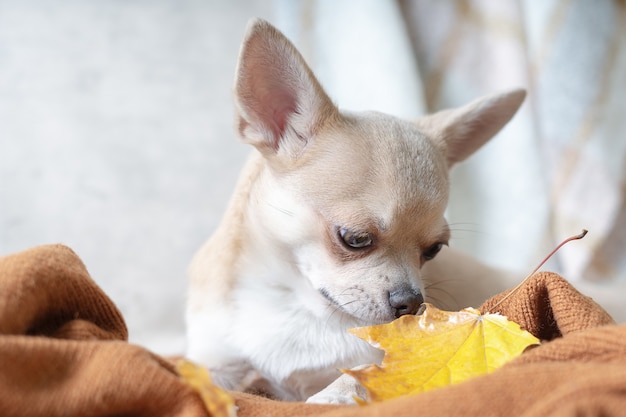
432, 251
356, 240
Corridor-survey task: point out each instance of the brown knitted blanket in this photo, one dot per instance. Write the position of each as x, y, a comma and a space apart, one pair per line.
63, 352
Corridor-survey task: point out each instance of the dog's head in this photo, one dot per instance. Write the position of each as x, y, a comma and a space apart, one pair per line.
355, 201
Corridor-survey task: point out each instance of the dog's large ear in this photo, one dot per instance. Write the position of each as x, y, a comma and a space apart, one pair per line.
461, 131
279, 102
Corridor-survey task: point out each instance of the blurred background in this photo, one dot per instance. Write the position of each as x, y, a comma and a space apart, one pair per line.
116, 131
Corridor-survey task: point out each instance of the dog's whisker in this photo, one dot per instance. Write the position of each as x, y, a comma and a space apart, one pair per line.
439, 303
456, 229
338, 309
351, 294
463, 224
433, 287
282, 210
429, 285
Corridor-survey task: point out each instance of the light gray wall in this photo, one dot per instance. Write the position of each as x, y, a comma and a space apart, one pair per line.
116, 139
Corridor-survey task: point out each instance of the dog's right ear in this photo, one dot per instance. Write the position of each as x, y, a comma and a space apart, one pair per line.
279, 102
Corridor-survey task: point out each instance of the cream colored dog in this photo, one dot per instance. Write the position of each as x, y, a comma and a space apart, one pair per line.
334, 224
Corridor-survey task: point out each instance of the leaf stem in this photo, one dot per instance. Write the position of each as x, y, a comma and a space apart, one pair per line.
555, 250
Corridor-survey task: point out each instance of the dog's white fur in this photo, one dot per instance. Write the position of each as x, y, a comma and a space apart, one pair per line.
275, 288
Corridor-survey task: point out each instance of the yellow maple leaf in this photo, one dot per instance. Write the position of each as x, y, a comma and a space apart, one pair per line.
436, 349
217, 401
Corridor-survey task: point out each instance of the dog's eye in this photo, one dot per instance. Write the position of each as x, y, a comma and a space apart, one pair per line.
356, 240
432, 251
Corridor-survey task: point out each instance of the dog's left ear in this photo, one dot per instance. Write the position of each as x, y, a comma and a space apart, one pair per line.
461, 131
279, 102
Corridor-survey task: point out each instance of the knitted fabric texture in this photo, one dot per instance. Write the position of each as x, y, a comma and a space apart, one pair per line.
63, 348
64, 352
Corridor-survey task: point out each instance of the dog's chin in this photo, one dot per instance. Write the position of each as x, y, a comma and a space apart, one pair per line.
363, 313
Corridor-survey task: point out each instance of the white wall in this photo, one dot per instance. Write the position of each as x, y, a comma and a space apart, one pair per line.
116, 139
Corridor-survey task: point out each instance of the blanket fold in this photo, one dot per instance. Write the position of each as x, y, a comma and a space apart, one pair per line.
548, 307
63, 349
64, 352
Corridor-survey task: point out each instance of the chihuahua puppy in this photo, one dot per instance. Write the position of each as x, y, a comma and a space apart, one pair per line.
335, 223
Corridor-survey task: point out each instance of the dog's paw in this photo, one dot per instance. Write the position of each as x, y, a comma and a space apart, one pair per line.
343, 390
331, 396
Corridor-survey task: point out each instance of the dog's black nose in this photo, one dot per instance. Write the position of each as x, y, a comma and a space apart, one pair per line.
405, 301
